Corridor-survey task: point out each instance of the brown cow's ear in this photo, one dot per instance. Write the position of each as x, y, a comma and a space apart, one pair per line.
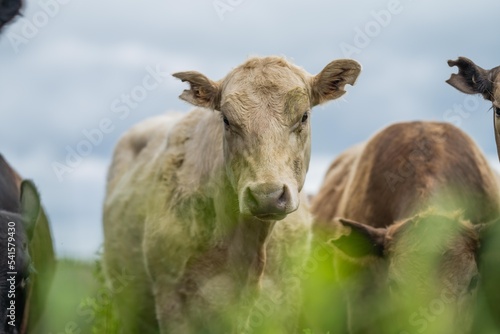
471, 79
489, 235
488, 232
483, 229
329, 84
203, 92
363, 240
30, 206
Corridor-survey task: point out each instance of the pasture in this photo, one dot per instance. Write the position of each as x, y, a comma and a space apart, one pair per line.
79, 304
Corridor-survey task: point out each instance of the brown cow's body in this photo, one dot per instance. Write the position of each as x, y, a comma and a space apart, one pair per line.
388, 185
404, 165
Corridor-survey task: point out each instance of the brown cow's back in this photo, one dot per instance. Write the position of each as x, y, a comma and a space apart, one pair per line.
401, 169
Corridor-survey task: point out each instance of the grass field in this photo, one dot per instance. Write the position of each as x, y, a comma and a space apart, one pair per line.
78, 301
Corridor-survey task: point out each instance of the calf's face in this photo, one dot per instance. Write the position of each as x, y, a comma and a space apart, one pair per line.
264, 107
429, 264
472, 79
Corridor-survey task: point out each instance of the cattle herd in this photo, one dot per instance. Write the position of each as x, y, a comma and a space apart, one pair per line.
205, 212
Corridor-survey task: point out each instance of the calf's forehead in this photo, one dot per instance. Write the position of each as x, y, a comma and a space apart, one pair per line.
263, 77
289, 102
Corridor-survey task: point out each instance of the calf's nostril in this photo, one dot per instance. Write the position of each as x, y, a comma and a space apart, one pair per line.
251, 200
265, 198
285, 196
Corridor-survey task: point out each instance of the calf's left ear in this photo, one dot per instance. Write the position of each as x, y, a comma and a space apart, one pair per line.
203, 92
363, 240
30, 206
470, 79
329, 84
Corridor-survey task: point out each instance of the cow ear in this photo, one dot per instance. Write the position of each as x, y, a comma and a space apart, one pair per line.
470, 79
483, 229
363, 240
203, 92
30, 206
488, 232
329, 84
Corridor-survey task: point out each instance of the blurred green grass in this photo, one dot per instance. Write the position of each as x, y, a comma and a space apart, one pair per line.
78, 302
73, 283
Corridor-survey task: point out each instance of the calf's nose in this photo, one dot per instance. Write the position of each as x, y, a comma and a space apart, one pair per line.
267, 200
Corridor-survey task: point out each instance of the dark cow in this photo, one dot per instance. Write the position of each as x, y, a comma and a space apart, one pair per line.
407, 211
8, 10
28, 262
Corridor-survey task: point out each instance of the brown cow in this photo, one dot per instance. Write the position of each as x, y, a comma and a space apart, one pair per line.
204, 209
412, 201
472, 79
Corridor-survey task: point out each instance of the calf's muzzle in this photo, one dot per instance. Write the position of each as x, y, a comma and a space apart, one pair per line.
269, 201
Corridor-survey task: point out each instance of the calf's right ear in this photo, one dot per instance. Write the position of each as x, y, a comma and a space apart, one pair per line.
470, 79
203, 92
363, 240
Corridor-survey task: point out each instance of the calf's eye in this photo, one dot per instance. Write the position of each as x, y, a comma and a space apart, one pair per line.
226, 121
305, 117
497, 111
473, 283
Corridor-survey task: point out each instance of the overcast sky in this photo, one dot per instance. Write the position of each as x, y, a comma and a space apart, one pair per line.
69, 67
